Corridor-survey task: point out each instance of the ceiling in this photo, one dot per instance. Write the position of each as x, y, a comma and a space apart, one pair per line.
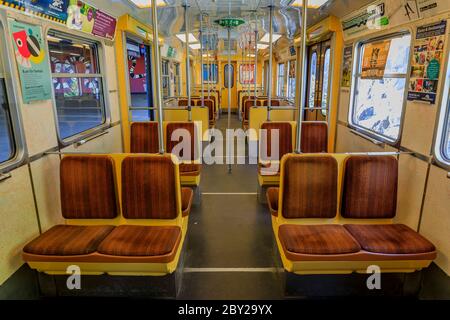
286, 19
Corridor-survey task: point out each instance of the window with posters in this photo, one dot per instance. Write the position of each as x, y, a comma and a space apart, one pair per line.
379, 86
247, 73
426, 62
77, 82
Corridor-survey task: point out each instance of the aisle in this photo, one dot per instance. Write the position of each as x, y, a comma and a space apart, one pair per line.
230, 242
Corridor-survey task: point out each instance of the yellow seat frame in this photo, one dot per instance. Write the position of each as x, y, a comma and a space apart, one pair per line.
335, 267
135, 269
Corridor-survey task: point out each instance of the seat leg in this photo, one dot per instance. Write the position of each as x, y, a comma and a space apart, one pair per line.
197, 199
262, 194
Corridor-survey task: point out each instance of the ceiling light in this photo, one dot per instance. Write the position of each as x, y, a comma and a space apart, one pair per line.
262, 46
194, 46
275, 37
148, 3
182, 37
314, 4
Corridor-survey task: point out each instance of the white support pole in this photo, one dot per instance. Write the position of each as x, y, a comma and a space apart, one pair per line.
269, 81
188, 67
255, 72
229, 100
301, 78
157, 76
201, 59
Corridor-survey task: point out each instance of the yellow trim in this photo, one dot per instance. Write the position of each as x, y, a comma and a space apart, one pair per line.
150, 269
127, 24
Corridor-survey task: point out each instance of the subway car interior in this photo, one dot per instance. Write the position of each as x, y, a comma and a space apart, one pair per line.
224, 149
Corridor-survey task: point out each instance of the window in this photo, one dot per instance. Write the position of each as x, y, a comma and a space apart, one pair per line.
442, 145
139, 80
291, 80
378, 103
210, 73
312, 79
247, 73
280, 80
77, 83
177, 79
326, 73
7, 147
228, 72
446, 138
165, 79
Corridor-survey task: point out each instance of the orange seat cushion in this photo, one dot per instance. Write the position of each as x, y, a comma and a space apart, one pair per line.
317, 239
88, 187
389, 239
65, 240
369, 187
144, 137
129, 240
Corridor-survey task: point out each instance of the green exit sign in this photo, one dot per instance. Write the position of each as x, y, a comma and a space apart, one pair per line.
229, 22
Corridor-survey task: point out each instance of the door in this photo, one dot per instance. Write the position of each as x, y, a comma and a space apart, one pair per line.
231, 86
318, 85
139, 80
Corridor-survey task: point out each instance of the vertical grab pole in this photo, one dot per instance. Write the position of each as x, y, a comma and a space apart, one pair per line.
157, 76
269, 81
301, 78
201, 59
229, 98
256, 59
188, 71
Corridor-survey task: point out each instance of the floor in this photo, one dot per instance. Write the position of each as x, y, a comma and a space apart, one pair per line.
230, 246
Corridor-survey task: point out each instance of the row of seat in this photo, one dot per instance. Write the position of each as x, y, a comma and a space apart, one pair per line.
209, 103
124, 214
144, 139
314, 139
334, 214
249, 102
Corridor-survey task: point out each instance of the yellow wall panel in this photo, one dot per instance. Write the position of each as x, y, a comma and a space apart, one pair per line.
18, 223
45, 173
436, 215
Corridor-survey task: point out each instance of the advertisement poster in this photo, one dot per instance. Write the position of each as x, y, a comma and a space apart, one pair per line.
32, 61
426, 62
83, 17
347, 66
381, 14
374, 59
54, 10
247, 73
429, 8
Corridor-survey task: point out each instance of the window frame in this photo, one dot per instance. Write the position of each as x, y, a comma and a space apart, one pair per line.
283, 87
101, 61
356, 76
294, 61
328, 82
443, 118
18, 136
308, 79
177, 78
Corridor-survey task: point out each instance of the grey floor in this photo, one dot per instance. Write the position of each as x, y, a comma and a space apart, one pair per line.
230, 246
